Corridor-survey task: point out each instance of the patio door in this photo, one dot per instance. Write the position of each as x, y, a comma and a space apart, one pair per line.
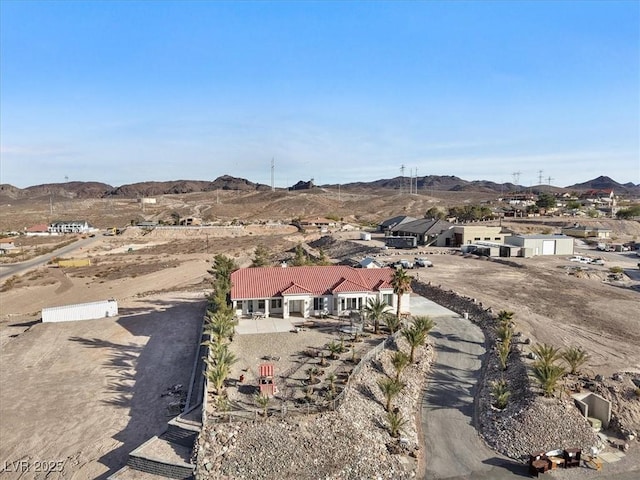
296, 306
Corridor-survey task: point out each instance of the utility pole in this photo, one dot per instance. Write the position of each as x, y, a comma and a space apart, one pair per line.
401, 179
273, 166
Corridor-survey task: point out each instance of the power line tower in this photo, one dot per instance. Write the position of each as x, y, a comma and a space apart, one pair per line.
401, 179
539, 177
549, 180
516, 179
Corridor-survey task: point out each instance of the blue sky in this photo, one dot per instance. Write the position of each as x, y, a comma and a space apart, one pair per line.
123, 91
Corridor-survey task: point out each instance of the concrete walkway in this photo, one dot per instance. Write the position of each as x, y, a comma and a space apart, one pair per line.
263, 325
453, 448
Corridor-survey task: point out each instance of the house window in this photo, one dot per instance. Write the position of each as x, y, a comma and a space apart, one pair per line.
497, 238
261, 305
276, 303
318, 303
388, 298
487, 238
239, 304
476, 239
352, 303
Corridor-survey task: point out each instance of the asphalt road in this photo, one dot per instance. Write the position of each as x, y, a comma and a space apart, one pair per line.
453, 448
21, 268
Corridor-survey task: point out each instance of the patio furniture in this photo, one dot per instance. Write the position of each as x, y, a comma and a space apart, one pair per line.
572, 457
266, 380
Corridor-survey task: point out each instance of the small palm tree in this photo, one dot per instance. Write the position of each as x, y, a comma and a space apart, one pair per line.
504, 349
504, 332
546, 354
331, 378
575, 358
392, 322
219, 326
414, 337
262, 401
424, 324
400, 360
548, 377
501, 393
334, 349
390, 389
505, 317
375, 309
217, 374
395, 422
401, 283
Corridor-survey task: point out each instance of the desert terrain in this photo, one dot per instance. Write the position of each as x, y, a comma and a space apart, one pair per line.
89, 380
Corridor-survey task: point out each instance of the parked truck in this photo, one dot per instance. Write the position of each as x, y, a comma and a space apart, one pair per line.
401, 242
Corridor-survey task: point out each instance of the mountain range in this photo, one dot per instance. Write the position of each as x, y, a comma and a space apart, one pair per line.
227, 182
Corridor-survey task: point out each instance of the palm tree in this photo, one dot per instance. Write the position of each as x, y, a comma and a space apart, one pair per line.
548, 377
400, 361
504, 332
415, 337
505, 317
219, 326
390, 389
401, 283
424, 324
546, 354
392, 322
575, 358
217, 373
503, 354
500, 391
262, 401
334, 349
395, 421
375, 310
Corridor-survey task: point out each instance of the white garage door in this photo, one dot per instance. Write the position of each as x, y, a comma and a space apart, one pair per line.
548, 247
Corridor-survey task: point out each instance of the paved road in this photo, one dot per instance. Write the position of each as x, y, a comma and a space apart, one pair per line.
453, 448
7, 271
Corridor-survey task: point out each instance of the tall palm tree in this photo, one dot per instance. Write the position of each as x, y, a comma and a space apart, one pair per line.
390, 389
375, 309
219, 326
575, 358
415, 337
217, 373
401, 283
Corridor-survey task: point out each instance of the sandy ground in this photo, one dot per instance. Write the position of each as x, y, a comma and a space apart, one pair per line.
81, 395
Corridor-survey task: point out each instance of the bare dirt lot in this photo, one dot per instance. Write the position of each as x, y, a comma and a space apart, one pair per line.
87, 393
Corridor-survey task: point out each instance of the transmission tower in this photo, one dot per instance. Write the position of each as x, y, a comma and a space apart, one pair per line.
539, 177
401, 179
549, 180
516, 179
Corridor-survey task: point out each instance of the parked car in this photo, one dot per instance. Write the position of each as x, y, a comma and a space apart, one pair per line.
597, 261
580, 259
423, 262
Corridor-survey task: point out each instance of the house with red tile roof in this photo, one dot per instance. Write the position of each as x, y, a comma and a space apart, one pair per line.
310, 291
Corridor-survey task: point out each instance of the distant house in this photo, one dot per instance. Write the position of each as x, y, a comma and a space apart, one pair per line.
70, 226
426, 230
392, 222
308, 291
6, 246
41, 229
319, 222
584, 231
